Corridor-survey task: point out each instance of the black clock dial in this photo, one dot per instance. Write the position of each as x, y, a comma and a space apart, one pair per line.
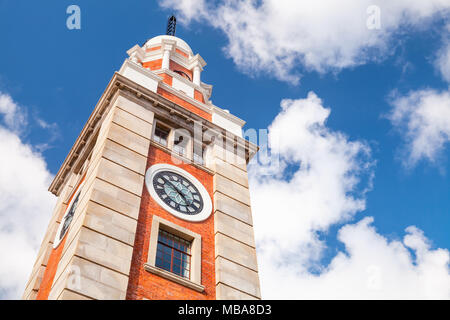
178, 192
69, 217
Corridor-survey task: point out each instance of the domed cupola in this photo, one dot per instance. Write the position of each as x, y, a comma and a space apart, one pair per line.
173, 60
167, 66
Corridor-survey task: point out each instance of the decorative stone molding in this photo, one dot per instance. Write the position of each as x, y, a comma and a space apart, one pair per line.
173, 277
137, 54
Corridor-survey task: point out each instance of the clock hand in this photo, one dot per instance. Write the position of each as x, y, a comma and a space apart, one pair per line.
181, 194
176, 189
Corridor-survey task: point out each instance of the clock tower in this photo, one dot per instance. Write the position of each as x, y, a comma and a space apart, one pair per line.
153, 197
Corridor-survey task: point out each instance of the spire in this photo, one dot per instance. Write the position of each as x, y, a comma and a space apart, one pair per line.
171, 26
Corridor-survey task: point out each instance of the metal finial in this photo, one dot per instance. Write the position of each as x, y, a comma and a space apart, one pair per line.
171, 26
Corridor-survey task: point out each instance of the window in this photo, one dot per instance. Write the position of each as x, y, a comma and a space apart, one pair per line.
183, 74
173, 254
161, 134
180, 141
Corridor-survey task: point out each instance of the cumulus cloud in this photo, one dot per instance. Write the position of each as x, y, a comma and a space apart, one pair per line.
329, 177
25, 203
423, 119
372, 267
442, 62
275, 36
14, 116
323, 188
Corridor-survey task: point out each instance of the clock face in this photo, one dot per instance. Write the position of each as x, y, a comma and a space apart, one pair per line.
69, 217
178, 192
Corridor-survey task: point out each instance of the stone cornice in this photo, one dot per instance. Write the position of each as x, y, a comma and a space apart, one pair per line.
197, 60
139, 68
81, 142
168, 45
228, 116
162, 107
136, 51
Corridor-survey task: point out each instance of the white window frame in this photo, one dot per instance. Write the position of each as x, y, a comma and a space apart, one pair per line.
162, 125
171, 140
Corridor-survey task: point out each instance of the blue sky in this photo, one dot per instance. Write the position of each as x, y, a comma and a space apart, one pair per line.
55, 76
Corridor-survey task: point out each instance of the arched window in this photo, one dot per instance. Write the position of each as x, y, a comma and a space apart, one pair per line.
183, 74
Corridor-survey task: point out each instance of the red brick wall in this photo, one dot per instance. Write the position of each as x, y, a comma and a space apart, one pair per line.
143, 284
166, 79
198, 96
50, 271
153, 65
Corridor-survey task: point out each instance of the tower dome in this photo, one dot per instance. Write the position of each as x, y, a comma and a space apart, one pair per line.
179, 42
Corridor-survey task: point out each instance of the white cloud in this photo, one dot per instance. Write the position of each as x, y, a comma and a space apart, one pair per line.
190, 9
25, 203
13, 115
324, 188
442, 62
423, 119
328, 172
274, 36
372, 268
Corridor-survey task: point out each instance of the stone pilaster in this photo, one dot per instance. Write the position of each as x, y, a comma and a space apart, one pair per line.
43, 255
235, 253
96, 258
